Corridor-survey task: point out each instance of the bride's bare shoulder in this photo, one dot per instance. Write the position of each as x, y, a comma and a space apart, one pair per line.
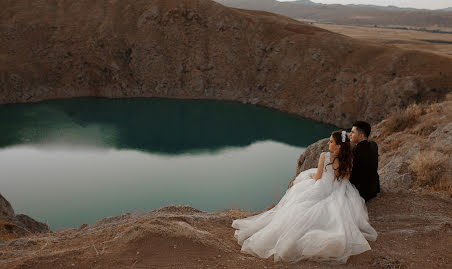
322, 157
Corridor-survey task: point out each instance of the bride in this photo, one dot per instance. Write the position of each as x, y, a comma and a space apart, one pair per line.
321, 216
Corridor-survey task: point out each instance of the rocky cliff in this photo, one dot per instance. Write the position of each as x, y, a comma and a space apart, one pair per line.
202, 50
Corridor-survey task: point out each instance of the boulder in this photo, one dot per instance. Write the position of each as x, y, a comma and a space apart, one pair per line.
6, 210
310, 157
13, 226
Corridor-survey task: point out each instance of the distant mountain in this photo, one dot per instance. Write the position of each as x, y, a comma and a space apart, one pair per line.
310, 3
390, 7
306, 3
350, 14
387, 8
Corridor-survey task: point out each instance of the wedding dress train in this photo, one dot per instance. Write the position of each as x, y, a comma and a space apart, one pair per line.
324, 220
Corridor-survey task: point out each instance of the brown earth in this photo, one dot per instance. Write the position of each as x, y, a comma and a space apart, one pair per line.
414, 231
199, 49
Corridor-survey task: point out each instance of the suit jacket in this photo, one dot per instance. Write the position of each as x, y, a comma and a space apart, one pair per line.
364, 172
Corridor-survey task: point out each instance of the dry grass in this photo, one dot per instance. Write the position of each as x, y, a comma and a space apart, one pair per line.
401, 119
431, 171
6, 230
418, 137
391, 146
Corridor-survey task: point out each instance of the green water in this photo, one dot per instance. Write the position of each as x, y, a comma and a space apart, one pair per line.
74, 161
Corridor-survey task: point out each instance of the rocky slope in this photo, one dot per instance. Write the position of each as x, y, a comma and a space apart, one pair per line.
201, 49
415, 146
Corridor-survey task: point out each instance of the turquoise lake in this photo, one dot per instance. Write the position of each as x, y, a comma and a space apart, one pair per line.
74, 161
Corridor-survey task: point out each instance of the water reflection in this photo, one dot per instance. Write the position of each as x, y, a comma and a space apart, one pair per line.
152, 125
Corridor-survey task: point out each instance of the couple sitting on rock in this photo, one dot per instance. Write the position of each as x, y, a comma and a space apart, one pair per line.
322, 216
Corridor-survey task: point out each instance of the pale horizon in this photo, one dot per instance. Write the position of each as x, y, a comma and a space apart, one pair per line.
420, 4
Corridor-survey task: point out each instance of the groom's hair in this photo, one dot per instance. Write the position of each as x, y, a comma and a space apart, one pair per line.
363, 127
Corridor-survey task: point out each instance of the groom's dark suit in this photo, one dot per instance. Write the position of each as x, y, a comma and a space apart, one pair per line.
364, 173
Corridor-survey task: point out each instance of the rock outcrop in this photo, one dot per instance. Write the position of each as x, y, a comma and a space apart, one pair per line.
414, 149
6, 210
310, 157
13, 226
199, 49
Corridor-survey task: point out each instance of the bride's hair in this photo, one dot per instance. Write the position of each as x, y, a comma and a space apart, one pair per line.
345, 155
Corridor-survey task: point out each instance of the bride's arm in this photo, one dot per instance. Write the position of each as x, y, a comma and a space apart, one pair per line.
319, 172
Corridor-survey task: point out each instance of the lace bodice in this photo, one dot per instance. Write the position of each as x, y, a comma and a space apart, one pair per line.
328, 171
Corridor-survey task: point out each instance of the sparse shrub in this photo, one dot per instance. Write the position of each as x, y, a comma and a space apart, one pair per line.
6, 230
424, 130
395, 143
435, 108
401, 119
431, 170
448, 97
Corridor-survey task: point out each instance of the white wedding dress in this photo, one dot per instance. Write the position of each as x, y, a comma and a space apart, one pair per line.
324, 220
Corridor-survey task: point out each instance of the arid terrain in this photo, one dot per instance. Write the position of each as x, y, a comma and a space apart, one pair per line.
423, 30
199, 49
360, 15
438, 43
414, 231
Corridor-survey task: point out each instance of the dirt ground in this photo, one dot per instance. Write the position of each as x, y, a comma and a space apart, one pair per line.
439, 43
414, 231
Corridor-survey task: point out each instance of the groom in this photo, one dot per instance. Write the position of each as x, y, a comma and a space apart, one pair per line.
365, 161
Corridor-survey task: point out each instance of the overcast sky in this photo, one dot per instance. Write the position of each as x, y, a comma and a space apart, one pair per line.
427, 4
